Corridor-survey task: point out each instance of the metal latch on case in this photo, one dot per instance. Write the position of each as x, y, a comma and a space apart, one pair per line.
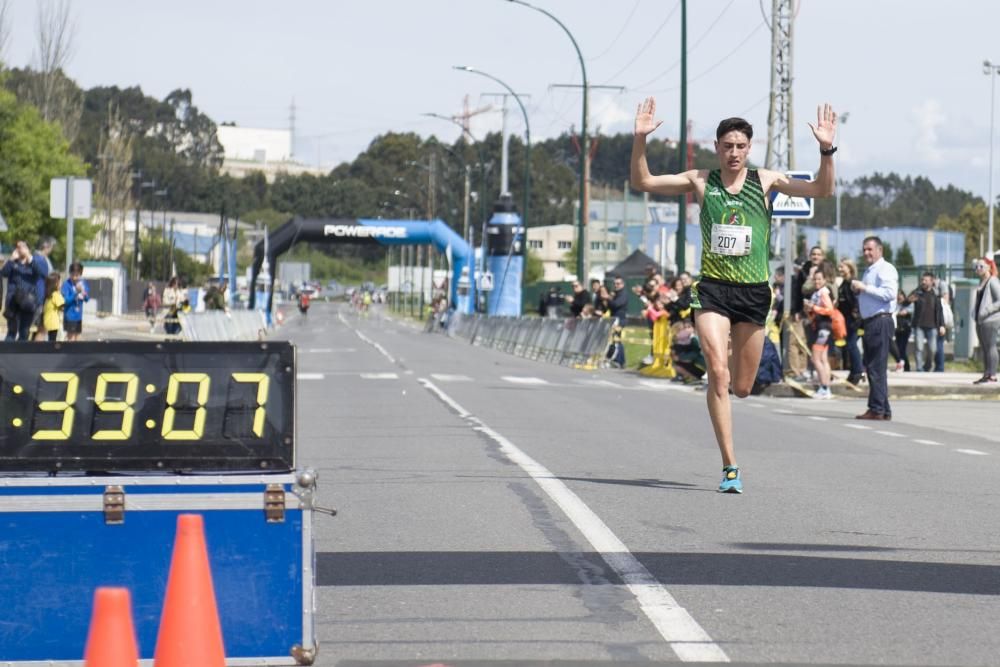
114, 505
274, 503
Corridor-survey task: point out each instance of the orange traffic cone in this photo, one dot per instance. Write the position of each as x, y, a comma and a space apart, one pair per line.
189, 634
111, 639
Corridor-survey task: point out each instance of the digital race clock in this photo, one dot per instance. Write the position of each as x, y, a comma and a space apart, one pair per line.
123, 406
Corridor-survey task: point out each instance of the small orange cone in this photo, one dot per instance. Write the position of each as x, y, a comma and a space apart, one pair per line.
189, 634
111, 639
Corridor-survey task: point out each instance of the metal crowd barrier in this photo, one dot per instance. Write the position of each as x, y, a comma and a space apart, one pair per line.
216, 325
571, 342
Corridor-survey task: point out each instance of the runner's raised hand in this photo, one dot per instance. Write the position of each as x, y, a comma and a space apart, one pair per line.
825, 129
645, 121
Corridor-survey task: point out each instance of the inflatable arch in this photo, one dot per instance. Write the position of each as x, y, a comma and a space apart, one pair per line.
382, 232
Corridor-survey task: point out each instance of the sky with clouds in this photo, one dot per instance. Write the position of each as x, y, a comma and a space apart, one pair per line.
909, 72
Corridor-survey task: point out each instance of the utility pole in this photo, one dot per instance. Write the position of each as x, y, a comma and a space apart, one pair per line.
780, 136
680, 241
291, 128
465, 201
505, 140
584, 170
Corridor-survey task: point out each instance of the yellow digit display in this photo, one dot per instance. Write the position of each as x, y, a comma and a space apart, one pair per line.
173, 389
263, 382
101, 402
64, 406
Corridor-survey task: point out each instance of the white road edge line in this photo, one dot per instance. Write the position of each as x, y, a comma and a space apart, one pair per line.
687, 639
973, 452
309, 376
385, 353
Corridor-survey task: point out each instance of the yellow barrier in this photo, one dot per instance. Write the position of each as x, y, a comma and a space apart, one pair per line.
663, 365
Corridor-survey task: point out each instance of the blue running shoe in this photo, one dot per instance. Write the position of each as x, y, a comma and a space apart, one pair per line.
731, 480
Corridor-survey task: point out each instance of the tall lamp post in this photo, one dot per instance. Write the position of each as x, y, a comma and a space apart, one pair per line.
527, 138
482, 163
841, 121
991, 70
584, 143
163, 195
482, 187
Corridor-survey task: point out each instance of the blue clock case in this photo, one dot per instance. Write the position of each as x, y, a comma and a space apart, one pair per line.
62, 537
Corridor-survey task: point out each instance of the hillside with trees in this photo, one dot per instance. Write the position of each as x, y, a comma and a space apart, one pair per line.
165, 153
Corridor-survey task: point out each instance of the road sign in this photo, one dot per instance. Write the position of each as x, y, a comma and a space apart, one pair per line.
82, 189
783, 206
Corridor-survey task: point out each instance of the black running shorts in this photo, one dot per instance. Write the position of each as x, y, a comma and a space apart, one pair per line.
740, 302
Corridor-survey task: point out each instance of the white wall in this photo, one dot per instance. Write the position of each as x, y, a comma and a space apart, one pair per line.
256, 144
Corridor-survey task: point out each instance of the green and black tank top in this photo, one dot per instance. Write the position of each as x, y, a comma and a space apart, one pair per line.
737, 254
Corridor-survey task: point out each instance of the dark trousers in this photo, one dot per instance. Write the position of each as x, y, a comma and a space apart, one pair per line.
939, 355
18, 324
878, 334
899, 347
852, 354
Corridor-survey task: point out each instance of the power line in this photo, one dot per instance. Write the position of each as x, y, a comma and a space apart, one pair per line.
690, 50
618, 36
642, 50
719, 62
754, 105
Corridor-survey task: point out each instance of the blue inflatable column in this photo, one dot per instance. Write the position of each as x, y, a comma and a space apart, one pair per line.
505, 240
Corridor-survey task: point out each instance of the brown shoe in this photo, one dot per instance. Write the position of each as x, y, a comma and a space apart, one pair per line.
873, 416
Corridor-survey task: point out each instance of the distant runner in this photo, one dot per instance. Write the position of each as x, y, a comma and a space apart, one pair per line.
733, 297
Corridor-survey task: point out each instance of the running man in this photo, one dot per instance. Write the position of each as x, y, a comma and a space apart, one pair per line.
733, 297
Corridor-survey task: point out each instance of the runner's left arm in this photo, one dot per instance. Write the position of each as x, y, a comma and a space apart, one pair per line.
825, 131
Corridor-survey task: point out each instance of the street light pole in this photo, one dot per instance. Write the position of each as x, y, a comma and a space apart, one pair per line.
841, 121
527, 139
584, 142
991, 70
482, 162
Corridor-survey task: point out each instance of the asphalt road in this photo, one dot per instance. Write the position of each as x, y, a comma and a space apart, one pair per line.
493, 508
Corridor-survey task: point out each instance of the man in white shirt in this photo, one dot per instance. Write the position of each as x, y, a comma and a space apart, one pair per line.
877, 291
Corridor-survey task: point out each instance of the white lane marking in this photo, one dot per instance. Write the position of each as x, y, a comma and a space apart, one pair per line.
687, 639
599, 383
444, 377
752, 405
784, 412
662, 385
930, 442
860, 427
972, 452
818, 419
379, 376
368, 340
891, 434
310, 376
518, 379
329, 350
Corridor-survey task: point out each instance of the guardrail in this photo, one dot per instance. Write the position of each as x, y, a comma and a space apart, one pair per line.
217, 325
571, 342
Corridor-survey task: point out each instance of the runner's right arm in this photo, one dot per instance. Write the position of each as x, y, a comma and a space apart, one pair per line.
641, 179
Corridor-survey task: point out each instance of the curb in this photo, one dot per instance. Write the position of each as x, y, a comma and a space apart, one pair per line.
898, 392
